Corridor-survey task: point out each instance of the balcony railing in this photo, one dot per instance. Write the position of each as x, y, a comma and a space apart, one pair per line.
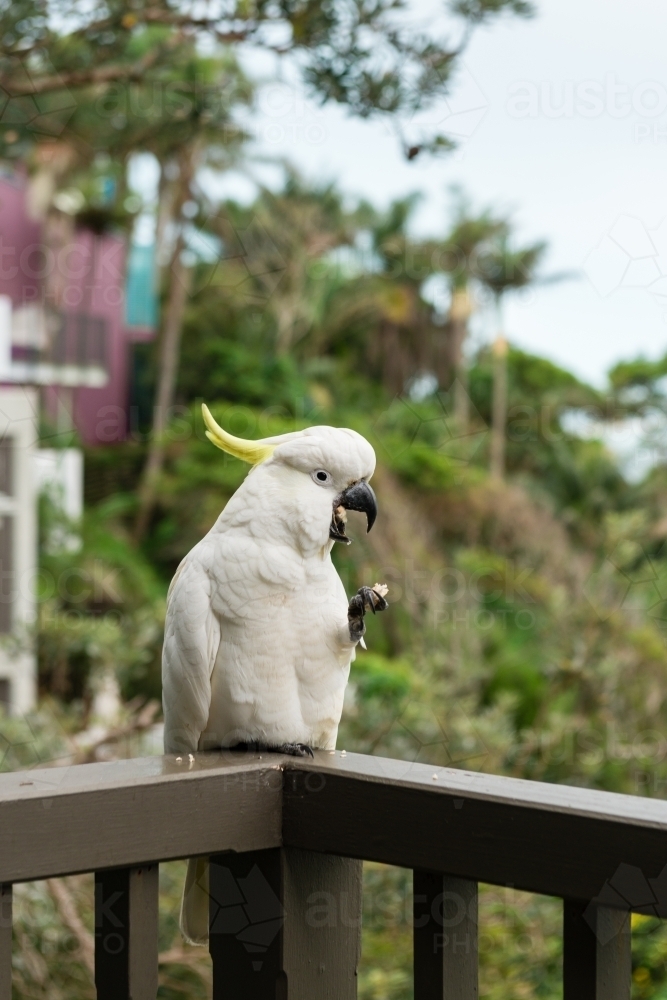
286, 838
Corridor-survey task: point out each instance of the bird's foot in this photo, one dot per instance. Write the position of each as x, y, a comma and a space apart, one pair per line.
365, 599
293, 749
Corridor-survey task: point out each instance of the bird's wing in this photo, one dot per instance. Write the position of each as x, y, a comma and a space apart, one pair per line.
191, 641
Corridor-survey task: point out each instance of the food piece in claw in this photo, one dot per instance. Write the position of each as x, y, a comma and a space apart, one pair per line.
366, 599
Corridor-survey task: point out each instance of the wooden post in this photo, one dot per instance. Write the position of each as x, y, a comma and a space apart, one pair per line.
126, 933
597, 961
284, 916
5, 942
445, 937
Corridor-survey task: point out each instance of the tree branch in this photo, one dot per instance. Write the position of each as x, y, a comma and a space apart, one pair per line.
144, 720
67, 909
78, 78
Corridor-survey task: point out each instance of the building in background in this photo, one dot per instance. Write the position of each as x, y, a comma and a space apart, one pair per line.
19, 415
67, 328
63, 321
58, 474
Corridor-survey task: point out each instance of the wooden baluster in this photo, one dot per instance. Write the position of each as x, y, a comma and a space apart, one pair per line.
5, 942
126, 933
284, 916
445, 937
596, 952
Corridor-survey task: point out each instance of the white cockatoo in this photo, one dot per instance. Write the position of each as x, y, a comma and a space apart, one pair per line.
259, 635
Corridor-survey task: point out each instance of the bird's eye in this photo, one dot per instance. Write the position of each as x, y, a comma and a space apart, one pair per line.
321, 477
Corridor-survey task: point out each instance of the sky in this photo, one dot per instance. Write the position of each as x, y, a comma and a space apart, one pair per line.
562, 122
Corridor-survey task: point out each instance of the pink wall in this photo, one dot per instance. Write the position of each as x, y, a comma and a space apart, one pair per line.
73, 271
100, 415
21, 257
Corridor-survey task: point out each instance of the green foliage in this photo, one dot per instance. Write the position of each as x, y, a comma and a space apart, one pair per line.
359, 54
100, 605
640, 372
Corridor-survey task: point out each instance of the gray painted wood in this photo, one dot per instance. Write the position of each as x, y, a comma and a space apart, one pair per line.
144, 920
126, 933
143, 810
246, 919
322, 933
469, 826
445, 937
284, 923
475, 827
597, 961
5, 942
633, 810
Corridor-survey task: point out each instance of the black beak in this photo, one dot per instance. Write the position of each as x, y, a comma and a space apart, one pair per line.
358, 496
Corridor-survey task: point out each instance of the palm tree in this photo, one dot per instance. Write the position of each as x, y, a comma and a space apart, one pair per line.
466, 242
398, 345
505, 270
289, 239
373, 302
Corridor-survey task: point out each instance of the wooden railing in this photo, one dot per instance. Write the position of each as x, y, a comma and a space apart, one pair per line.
286, 838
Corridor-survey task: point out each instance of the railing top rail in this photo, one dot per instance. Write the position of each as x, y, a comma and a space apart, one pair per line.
139, 772
47, 783
556, 840
58, 821
552, 839
634, 810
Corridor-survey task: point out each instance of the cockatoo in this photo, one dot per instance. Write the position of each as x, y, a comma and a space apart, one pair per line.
259, 635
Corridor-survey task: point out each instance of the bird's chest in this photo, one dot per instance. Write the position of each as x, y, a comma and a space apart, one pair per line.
282, 593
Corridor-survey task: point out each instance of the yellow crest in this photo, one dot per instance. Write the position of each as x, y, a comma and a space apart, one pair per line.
253, 452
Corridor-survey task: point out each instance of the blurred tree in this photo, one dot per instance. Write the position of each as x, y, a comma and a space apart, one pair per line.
468, 237
206, 135
398, 344
638, 386
356, 54
376, 313
183, 112
285, 241
504, 270
364, 56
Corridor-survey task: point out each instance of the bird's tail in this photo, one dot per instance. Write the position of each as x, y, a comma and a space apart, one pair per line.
194, 908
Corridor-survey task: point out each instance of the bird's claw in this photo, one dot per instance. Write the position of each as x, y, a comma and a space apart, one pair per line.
366, 599
293, 749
